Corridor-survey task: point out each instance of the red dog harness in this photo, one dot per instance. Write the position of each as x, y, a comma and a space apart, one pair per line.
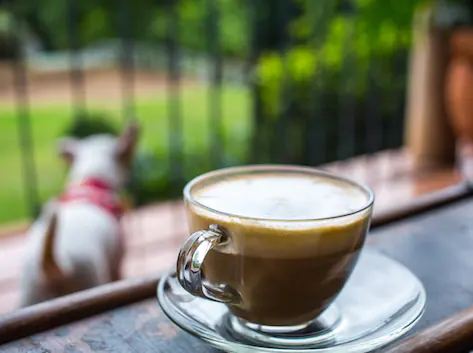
96, 192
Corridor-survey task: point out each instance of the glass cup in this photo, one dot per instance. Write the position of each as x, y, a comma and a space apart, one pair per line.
274, 274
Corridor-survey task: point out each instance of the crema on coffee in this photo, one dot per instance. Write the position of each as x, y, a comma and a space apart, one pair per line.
283, 196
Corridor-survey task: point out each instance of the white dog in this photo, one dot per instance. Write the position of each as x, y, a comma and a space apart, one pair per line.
76, 243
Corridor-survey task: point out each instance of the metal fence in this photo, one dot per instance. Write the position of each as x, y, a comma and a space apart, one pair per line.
313, 120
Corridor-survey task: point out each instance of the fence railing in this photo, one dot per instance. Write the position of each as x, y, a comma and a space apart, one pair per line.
238, 86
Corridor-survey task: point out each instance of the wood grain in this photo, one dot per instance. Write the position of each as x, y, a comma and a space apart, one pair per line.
69, 309
423, 204
453, 335
47, 315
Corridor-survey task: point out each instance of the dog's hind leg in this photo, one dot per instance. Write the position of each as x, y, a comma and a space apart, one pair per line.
48, 262
103, 271
116, 274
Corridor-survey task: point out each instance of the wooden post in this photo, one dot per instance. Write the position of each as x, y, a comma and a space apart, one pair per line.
428, 136
459, 96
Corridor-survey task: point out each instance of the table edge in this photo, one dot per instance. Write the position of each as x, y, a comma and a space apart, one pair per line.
37, 318
454, 334
422, 204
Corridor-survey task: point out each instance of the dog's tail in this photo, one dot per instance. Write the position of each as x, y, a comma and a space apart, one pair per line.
48, 262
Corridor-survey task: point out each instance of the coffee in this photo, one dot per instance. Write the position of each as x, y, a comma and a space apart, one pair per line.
293, 240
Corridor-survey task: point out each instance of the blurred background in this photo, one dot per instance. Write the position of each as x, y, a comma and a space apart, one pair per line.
215, 83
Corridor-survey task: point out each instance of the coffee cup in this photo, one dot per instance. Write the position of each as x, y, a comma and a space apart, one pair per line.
276, 244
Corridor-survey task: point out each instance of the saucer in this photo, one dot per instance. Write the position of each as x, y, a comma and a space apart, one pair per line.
381, 301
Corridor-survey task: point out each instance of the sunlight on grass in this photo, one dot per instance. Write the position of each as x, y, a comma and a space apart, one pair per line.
47, 124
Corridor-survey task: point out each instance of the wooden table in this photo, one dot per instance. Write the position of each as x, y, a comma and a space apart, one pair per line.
432, 236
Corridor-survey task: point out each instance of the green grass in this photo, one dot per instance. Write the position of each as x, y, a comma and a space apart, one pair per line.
48, 123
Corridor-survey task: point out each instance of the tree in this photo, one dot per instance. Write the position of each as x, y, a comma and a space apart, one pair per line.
339, 52
76, 23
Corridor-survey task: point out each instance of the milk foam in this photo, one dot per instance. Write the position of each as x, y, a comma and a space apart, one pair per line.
284, 196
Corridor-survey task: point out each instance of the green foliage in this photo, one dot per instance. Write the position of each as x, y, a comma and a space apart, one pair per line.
85, 124
346, 39
9, 47
143, 20
195, 31
333, 60
55, 21
153, 177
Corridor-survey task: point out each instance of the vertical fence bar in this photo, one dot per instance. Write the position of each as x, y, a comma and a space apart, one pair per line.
216, 144
77, 79
280, 145
127, 78
127, 68
373, 121
392, 120
173, 90
396, 122
399, 123
394, 98
321, 118
317, 127
387, 102
28, 165
316, 130
385, 92
346, 118
257, 145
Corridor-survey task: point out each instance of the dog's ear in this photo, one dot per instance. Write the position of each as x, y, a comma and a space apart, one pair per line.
127, 143
67, 147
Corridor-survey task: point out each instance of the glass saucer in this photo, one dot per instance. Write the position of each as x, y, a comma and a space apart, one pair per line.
381, 301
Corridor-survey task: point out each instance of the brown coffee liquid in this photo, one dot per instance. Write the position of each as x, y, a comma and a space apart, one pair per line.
280, 291
286, 273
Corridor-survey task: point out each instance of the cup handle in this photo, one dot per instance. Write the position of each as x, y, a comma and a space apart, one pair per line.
189, 266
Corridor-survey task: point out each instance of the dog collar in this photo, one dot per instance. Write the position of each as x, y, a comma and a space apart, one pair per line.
97, 192
98, 184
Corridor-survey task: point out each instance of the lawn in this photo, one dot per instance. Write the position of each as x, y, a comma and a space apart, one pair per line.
48, 122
